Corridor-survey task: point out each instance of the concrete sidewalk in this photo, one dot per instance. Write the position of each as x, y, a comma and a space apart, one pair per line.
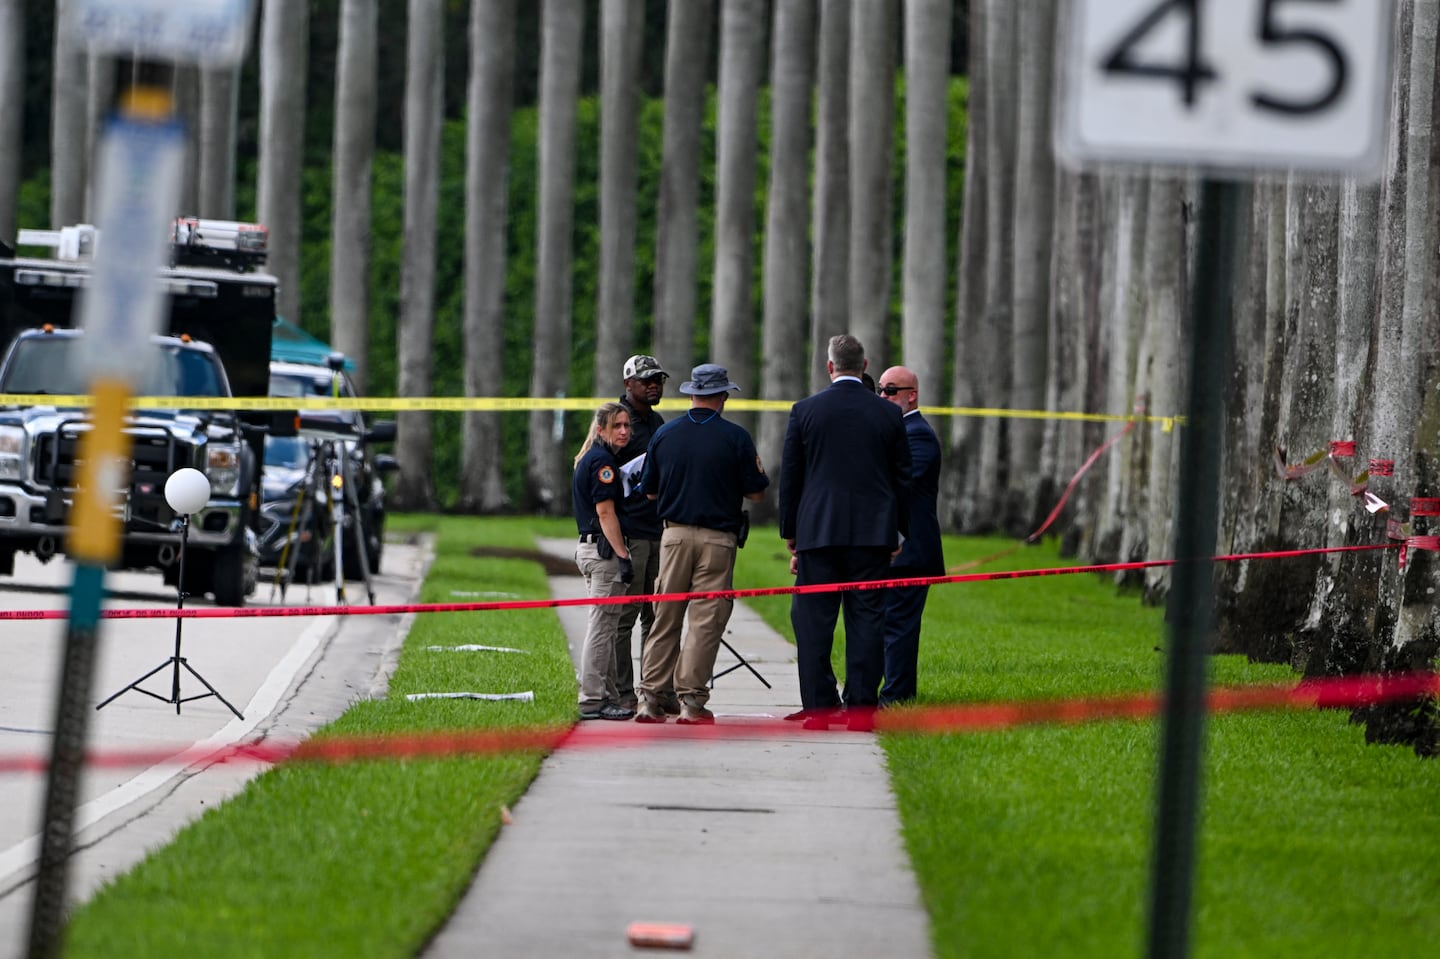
767, 845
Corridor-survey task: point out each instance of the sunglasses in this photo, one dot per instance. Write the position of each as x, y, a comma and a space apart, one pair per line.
891, 389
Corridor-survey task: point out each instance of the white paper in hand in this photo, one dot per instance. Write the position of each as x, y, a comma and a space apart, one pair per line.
630, 473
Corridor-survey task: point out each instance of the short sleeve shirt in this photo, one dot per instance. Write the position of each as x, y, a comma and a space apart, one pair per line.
597, 478
700, 466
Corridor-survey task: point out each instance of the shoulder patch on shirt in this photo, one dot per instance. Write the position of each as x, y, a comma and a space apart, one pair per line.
759, 465
606, 474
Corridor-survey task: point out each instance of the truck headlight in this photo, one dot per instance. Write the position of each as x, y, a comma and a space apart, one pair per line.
222, 465
12, 452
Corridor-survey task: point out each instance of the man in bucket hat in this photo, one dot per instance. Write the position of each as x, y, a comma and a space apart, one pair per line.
644, 385
699, 469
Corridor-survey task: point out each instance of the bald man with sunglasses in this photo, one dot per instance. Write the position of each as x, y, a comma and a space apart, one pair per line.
921, 554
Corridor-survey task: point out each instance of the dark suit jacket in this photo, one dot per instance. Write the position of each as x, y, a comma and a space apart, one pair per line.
922, 552
845, 471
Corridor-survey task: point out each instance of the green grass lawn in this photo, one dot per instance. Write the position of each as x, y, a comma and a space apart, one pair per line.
1036, 842
364, 859
1030, 842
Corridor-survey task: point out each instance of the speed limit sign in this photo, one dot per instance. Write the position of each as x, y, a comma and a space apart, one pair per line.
1238, 84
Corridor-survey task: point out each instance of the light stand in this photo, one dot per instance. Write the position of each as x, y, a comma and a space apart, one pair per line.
187, 491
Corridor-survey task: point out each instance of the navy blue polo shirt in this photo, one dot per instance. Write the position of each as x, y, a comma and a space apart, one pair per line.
701, 466
597, 478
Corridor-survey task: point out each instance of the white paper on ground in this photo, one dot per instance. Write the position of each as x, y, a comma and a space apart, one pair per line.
475, 648
526, 697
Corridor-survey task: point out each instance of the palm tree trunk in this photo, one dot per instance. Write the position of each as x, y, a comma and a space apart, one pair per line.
927, 83
787, 254
1309, 394
562, 23
12, 90
185, 88
1239, 520
68, 138
1418, 583
487, 176
355, 86
1034, 225
284, 33
830, 200
970, 277
872, 146
1164, 374
424, 89
1345, 594
1122, 333
1074, 326
622, 30
219, 106
980, 499
686, 54
742, 64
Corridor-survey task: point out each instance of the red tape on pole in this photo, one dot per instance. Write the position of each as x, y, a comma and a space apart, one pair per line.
1425, 506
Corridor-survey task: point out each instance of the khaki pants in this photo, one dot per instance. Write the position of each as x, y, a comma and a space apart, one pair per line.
597, 657
645, 555
692, 559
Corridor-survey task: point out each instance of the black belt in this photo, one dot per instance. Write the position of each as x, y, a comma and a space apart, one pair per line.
670, 524
591, 537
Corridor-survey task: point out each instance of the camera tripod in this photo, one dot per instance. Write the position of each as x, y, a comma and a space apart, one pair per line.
326, 492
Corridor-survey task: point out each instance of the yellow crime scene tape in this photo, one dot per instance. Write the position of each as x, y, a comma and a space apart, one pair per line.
469, 404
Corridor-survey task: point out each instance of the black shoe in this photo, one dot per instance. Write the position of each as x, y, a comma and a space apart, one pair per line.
608, 711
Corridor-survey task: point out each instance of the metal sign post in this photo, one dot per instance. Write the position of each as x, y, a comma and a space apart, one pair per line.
139, 166
1229, 87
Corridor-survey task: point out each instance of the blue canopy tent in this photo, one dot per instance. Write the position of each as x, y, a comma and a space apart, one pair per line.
290, 344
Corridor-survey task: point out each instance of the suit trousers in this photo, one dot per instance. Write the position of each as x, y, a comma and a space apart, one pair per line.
692, 559
645, 556
597, 656
813, 617
904, 607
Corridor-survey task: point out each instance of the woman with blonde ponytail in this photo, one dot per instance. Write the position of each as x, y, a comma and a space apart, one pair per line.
602, 556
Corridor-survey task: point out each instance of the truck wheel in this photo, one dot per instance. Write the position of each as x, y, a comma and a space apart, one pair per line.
234, 574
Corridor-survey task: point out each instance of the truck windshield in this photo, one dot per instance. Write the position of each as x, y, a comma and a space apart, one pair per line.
46, 364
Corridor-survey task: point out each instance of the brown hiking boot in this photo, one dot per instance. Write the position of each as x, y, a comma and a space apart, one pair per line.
649, 713
695, 716
670, 703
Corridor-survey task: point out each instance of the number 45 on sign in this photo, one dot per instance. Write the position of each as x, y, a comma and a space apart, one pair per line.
1238, 84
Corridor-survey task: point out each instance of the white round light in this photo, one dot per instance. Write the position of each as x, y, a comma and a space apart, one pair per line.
187, 491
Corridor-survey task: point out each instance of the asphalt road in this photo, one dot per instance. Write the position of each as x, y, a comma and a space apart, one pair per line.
286, 675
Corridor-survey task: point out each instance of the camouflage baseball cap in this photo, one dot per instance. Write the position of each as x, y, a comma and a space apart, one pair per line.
642, 367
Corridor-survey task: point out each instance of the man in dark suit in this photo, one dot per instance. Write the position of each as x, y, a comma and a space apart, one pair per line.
844, 481
921, 554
